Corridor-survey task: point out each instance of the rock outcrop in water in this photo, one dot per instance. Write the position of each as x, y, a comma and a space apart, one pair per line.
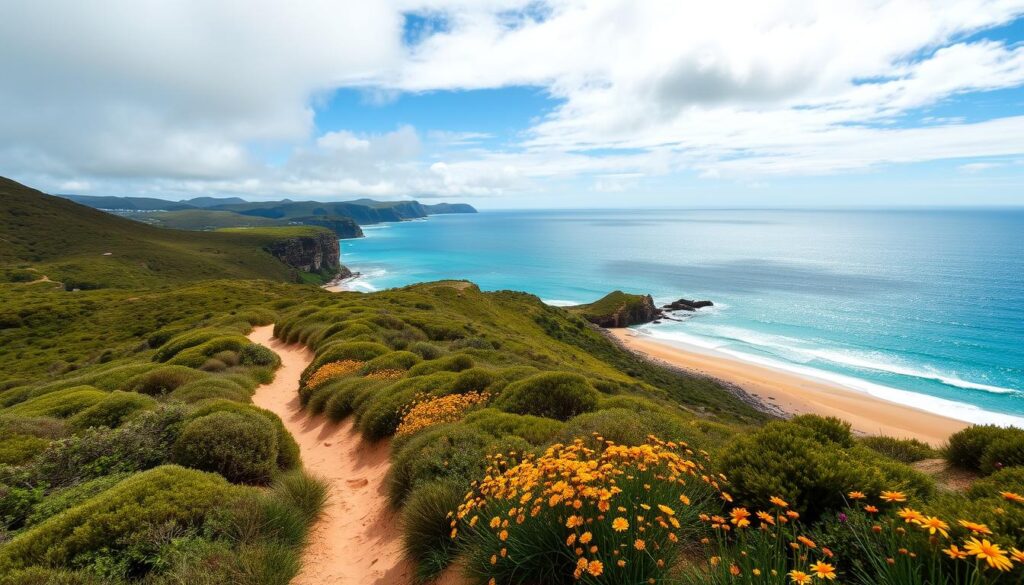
687, 305
619, 309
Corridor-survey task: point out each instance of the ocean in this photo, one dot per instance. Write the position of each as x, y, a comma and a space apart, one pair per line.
922, 307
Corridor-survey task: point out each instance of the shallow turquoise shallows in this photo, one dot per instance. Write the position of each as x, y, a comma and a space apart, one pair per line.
920, 307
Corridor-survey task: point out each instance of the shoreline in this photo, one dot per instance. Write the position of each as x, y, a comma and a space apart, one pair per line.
784, 392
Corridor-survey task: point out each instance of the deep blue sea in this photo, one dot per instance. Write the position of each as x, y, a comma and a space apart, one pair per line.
919, 307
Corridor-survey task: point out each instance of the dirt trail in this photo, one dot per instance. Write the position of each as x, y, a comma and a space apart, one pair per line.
357, 540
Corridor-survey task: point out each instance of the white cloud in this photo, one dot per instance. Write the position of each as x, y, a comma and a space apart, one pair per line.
183, 97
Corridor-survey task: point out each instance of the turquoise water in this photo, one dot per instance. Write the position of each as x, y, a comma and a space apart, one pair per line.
919, 307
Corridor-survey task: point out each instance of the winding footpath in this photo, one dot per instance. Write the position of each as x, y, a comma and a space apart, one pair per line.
357, 540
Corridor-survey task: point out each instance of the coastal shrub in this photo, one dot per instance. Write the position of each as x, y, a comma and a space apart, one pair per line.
319, 398
426, 527
426, 350
455, 453
473, 380
213, 365
536, 430
195, 356
288, 456
634, 403
396, 360
305, 492
452, 363
902, 450
967, 446
1003, 517
791, 461
345, 396
1006, 450
241, 447
362, 351
1008, 479
50, 576
576, 514
210, 388
624, 427
17, 449
167, 496
141, 443
380, 414
184, 341
114, 409
61, 403
228, 357
163, 380
255, 354
557, 395
66, 498
826, 428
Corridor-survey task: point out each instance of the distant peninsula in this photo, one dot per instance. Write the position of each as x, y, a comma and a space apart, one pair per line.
344, 218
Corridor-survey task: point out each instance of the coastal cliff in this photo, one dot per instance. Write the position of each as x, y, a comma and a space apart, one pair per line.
619, 309
345, 228
317, 253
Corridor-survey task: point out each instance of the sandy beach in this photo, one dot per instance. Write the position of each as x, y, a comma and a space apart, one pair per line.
798, 395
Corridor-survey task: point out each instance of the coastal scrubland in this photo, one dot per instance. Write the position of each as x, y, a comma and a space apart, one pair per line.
526, 446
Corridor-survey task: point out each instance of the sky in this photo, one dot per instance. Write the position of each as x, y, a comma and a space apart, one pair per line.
516, 104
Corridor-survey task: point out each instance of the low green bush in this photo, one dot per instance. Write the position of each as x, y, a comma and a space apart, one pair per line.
163, 380
557, 395
426, 350
184, 341
380, 414
255, 354
345, 395
287, 449
473, 380
195, 356
63, 499
426, 527
986, 448
1005, 451
143, 442
49, 576
61, 403
826, 428
626, 427
450, 363
113, 410
17, 449
536, 430
1009, 479
396, 360
793, 462
455, 453
210, 388
167, 497
240, 446
902, 450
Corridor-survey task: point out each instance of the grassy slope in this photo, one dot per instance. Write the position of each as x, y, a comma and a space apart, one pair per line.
608, 305
202, 219
69, 243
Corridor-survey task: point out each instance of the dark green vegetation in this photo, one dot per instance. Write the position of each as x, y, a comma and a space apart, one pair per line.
84, 248
212, 219
986, 448
618, 309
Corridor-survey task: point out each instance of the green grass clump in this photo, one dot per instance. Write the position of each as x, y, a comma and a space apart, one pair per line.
17, 449
66, 498
164, 496
240, 447
557, 395
396, 360
536, 430
426, 527
163, 380
454, 453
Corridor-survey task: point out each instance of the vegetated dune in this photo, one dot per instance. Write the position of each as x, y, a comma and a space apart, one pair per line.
357, 540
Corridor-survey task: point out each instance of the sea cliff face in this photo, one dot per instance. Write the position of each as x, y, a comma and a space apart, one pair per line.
619, 309
320, 253
344, 227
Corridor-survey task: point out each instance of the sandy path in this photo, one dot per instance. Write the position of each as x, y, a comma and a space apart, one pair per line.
357, 540
799, 395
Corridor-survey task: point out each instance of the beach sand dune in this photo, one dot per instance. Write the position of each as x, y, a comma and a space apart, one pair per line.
797, 395
357, 540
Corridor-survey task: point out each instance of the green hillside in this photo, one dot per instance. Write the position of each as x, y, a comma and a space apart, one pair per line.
86, 248
200, 219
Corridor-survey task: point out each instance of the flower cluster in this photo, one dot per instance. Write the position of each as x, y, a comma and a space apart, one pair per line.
386, 374
609, 514
333, 370
894, 538
425, 412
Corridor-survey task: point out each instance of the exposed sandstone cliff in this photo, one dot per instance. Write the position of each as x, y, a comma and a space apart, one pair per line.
318, 254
